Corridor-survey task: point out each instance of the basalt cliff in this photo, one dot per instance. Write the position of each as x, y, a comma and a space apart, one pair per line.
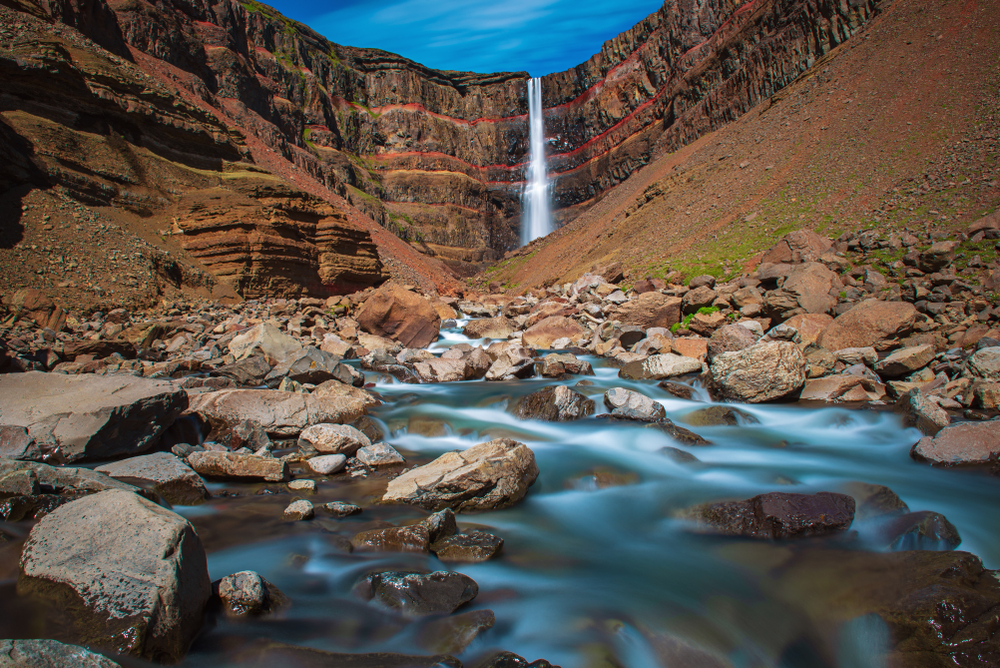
236, 147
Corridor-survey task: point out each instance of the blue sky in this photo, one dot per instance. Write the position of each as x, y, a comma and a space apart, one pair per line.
539, 36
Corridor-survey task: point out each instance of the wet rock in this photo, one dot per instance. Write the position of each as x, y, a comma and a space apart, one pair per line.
776, 515
919, 411
89, 417
394, 312
413, 538
380, 454
234, 465
763, 372
17, 443
60, 479
471, 546
714, 416
341, 509
441, 370
730, 338
514, 363
299, 510
875, 500
870, 323
247, 593
544, 333
631, 405
658, 367
338, 439
985, 364
922, 530
602, 477
49, 654
281, 414
417, 594
487, 476
678, 455
441, 524
326, 464
679, 390
905, 361
490, 328
558, 364
264, 339
163, 473
132, 574
509, 660
963, 444
556, 403
303, 485
244, 434
269, 653
454, 634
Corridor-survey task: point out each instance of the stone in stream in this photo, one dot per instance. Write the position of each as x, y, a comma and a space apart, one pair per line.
513, 363
244, 434
247, 593
335, 388
49, 654
453, 634
923, 530
412, 538
762, 372
302, 485
658, 367
713, 416
299, 510
341, 509
217, 464
678, 455
281, 414
440, 370
326, 464
963, 444
468, 547
505, 659
919, 411
265, 339
842, 388
556, 403
265, 652
631, 405
776, 515
440, 524
875, 500
132, 575
379, 454
488, 476
338, 439
312, 365
556, 365
90, 417
163, 473
418, 594
394, 312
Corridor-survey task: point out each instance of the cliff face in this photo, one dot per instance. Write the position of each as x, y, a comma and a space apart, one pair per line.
438, 158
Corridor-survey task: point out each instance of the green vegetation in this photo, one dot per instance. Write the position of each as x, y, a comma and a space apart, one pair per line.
704, 310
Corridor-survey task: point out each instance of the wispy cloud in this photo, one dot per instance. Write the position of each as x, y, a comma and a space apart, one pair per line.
539, 36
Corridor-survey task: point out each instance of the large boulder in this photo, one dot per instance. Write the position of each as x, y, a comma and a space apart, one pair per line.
963, 444
543, 334
90, 417
397, 313
652, 309
417, 594
490, 328
985, 364
798, 246
730, 338
776, 515
630, 405
556, 403
340, 439
764, 372
487, 476
905, 361
812, 284
870, 323
163, 473
281, 414
658, 367
132, 574
49, 654
264, 339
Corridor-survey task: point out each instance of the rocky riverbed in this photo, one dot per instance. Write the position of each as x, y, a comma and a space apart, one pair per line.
772, 471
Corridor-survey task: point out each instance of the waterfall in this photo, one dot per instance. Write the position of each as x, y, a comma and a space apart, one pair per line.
536, 218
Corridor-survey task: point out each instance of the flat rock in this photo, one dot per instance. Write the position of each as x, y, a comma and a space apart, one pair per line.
487, 476
870, 323
132, 574
763, 372
326, 464
469, 547
50, 654
842, 388
963, 444
439, 370
631, 405
417, 594
777, 515
905, 361
556, 403
264, 339
281, 414
490, 328
380, 454
299, 510
217, 464
87, 416
652, 309
338, 439
162, 472
412, 538
341, 509
658, 367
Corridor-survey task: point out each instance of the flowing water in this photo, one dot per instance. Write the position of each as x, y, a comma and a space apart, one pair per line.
536, 220
595, 570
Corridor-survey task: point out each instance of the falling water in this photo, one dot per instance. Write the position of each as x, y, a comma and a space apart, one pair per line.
536, 220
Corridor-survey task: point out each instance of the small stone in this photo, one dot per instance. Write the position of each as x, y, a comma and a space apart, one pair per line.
334, 438
379, 454
326, 464
471, 546
299, 510
247, 593
416, 594
302, 485
341, 509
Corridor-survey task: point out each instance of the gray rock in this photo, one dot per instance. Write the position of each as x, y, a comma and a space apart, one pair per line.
17, 443
299, 510
763, 372
338, 439
417, 594
341, 509
326, 464
218, 464
919, 411
281, 414
247, 593
985, 364
658, 367
264, 339
248, 372
469, 547
380, 454
314, 366
556, 403
132, 574
49, 654
88, 417
624, 403
162, 472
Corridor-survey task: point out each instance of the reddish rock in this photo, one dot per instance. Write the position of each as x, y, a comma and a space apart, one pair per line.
812, 284
696, 348
397, 313
798, 246
964, 444
810, 325
870, 323
777, 515
728, 339
544, 333
652, 309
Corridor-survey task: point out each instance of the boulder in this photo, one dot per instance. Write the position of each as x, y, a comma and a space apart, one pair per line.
298, 511
132, 574
631, 405
326, 464
905, 361
472, 546
264, 339
551, 329
984, 364
440, 370
842, 388
513, 363
875, 500
921, 412
812, 284
312, 365
17, 443
798, 246
334, 438
870, 323
396, 313
217, 464
335, 388
490, 328
247, 372
413, 538
923, 530
963, 444
281, 414
729, 338
810, 326
380, 454
90, 417
556, 403
763, 372
652, 309
658, 367
163, 473
937, 257
487, 476
776, 515
555, 365
49, 654
418, 594
697, 298
248, 594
